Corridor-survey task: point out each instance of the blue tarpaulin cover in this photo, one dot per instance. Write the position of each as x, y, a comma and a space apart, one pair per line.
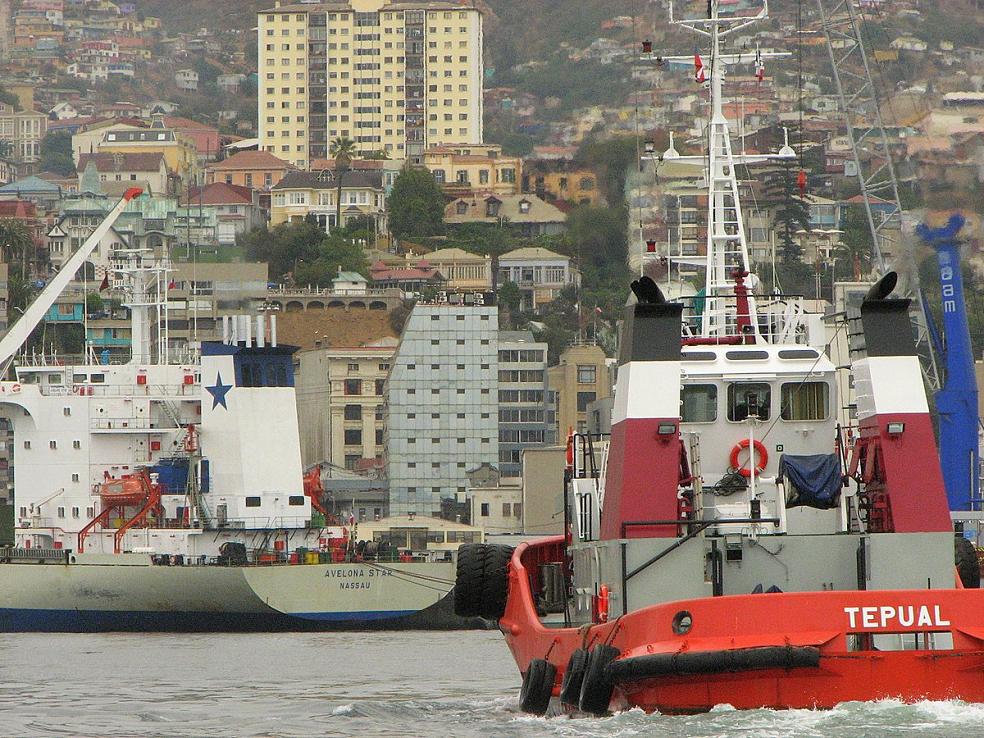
811, 481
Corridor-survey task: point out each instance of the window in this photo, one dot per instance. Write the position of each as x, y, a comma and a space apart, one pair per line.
295, 500
353, 437
76, 444
27, 444
53, 444
75, 478
353, 412
485, 509
804, 401
61, 512
584, 399
380, 386
252, 502
517, 509
353, 386
586, 373
698, 403
746, 399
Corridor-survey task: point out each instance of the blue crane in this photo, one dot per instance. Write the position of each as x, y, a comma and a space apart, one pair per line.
956, 401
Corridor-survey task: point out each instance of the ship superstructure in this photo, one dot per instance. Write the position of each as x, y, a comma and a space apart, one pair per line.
731, 542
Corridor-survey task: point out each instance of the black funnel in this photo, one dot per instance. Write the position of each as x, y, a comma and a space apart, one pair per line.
647, 292
884, 287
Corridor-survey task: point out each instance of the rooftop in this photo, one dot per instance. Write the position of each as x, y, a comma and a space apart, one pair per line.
251, 160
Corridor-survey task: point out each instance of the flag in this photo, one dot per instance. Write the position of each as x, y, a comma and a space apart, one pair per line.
104, 285
171, 285
700, 73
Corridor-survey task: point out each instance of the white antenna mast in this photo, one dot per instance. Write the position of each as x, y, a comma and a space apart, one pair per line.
727, 248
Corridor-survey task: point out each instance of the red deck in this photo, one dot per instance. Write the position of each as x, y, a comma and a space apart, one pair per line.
822, 620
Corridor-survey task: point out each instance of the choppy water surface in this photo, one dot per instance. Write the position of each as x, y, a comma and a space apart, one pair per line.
382, 684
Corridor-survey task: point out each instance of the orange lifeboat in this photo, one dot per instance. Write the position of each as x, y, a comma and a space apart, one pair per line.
129, 490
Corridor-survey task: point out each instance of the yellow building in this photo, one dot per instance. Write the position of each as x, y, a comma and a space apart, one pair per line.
179, 151
23, 129
578, 186
300, 194
397, 77
462, 170
581, 377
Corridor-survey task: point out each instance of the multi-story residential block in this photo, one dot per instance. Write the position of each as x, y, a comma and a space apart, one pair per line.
526, 414
396, 77
341, 404
539, 273
300, 194
24, 129
463, 170
581, 377
442, 404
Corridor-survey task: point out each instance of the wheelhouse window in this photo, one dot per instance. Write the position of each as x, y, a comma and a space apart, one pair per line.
805, 401
698, 403
747, 399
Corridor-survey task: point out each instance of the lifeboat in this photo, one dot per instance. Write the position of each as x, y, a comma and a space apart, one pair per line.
130, 490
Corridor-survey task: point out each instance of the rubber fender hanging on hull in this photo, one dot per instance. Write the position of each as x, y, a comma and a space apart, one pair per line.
713, 662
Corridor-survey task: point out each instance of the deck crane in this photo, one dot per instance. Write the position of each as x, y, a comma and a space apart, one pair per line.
35, 312
859, 104
956, 391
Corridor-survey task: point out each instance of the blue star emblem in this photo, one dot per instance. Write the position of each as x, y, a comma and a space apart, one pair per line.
218, 392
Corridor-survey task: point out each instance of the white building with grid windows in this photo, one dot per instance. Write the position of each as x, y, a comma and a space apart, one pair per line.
442, 404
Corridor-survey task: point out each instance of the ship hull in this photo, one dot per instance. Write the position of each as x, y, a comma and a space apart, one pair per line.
49, 597
781, 650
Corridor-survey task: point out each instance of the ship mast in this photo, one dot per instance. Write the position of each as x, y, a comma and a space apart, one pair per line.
726, 244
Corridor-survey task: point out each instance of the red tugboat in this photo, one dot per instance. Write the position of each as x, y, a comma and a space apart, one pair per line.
732, 543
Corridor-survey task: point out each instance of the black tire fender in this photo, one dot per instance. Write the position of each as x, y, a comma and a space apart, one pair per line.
597, 687
495, 581
469, 580
538, 683
968, 565
570, 685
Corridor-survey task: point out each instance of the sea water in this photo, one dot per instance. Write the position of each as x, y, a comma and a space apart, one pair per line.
356, 684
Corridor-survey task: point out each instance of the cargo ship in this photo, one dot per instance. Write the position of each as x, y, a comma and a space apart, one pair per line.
731, 542
167, 492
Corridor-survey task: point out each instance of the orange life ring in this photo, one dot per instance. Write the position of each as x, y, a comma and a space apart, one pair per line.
763, 457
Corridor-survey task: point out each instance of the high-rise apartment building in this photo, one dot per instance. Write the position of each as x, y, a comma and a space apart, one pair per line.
442, 403
526, 407
391, 76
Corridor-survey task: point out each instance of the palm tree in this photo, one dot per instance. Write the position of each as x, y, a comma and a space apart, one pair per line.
15, 240
343, 149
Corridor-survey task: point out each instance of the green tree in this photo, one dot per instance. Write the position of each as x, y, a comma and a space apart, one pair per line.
416, 205
16, 244
56, 153
335, 254
343, 149
854, 250
792, 215
283, 246
611, 159
509, 299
